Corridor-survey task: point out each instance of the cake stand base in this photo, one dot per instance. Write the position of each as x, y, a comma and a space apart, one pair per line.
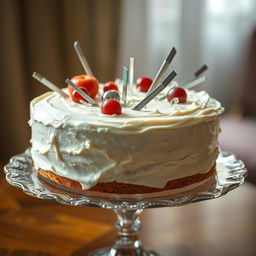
114, 252
127, 242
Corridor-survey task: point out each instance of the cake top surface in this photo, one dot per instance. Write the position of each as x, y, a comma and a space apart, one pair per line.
55, 110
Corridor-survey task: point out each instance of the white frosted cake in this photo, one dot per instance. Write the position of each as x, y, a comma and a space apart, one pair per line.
163, 146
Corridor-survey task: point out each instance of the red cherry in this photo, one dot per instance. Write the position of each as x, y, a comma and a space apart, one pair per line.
85, 81
76, 97
110, 86
143, 84
111, 107
178, 93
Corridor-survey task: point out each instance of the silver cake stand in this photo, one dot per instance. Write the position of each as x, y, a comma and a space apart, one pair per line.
230, 174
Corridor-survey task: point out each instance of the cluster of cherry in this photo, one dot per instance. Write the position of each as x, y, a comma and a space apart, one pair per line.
110, 99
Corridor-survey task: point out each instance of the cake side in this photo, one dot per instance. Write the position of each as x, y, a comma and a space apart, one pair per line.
124, 188
148, 148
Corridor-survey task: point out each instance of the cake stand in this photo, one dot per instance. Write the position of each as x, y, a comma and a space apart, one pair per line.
230, 174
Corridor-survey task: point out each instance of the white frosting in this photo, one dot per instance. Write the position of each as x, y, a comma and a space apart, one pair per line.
161, 142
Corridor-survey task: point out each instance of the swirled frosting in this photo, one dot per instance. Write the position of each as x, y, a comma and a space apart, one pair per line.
161, 142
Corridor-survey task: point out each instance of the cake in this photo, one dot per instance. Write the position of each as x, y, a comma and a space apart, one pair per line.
164, 146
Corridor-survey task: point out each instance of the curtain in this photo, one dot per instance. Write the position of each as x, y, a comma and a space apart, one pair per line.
38, 36
247, 87
212, 32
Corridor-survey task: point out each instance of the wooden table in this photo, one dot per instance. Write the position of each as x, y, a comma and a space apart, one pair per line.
30, 226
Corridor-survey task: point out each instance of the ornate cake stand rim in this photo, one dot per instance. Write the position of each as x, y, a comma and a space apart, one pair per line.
24, 178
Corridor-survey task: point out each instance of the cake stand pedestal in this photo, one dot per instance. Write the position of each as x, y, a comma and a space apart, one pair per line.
230, 173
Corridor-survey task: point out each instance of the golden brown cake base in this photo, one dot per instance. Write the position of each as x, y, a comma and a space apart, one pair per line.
122, 188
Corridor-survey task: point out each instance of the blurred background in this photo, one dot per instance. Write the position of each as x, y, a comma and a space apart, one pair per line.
39, 35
